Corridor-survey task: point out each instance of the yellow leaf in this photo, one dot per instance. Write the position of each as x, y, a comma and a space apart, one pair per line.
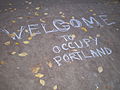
26, 42
100, 69
7, 43
30, 38
36, 14
42, 82
13, 21
73, 35
91, 10
55, 87
37, 8
17, 43
23, 54
13, 53
84, 29
35, 69
50, 64
45, 13
39, 75
41, 20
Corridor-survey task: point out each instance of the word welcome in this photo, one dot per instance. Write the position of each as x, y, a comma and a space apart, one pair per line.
59, 26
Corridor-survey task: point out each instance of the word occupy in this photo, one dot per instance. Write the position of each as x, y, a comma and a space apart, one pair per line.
59, 26
79, 54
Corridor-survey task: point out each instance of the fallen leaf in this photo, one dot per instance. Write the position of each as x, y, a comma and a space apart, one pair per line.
55, 87
42, 82
41, 20
35, 69
94, 14
2, 62
50, 64
84, 29
30, 38
20, 17
98, 35
36, 14
100, 69
26, 42
13, 53
37, 8
13, 21
45, 13
74, 50
23, 54
91, 10
7, 43
73, 17
11, 35
73, 35
39, 75
17, 43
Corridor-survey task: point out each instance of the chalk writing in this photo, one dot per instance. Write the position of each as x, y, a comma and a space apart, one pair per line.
60, 26
79, 55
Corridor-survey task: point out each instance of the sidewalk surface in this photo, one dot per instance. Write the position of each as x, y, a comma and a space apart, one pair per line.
59, 45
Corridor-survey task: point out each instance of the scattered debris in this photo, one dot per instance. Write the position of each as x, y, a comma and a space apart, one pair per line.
100, 69
84, 29
26, 42
55, 87
7, 43
23, 54
39, 75
35, 69
42, 82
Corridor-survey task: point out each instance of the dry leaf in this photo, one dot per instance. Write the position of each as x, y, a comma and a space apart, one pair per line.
91, 10
45, 13
90, 37
26, 42
11, 35
73, 35
39, 75
73, 17
50, 64
23, 54
13, 53
41, 20
55, 87
84, 29
20, 17
7, 43
30, 38
37, 8
2, 62
100, 69
36, 14
35, 69
17, 43
13, 21
74, 50
42, 82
